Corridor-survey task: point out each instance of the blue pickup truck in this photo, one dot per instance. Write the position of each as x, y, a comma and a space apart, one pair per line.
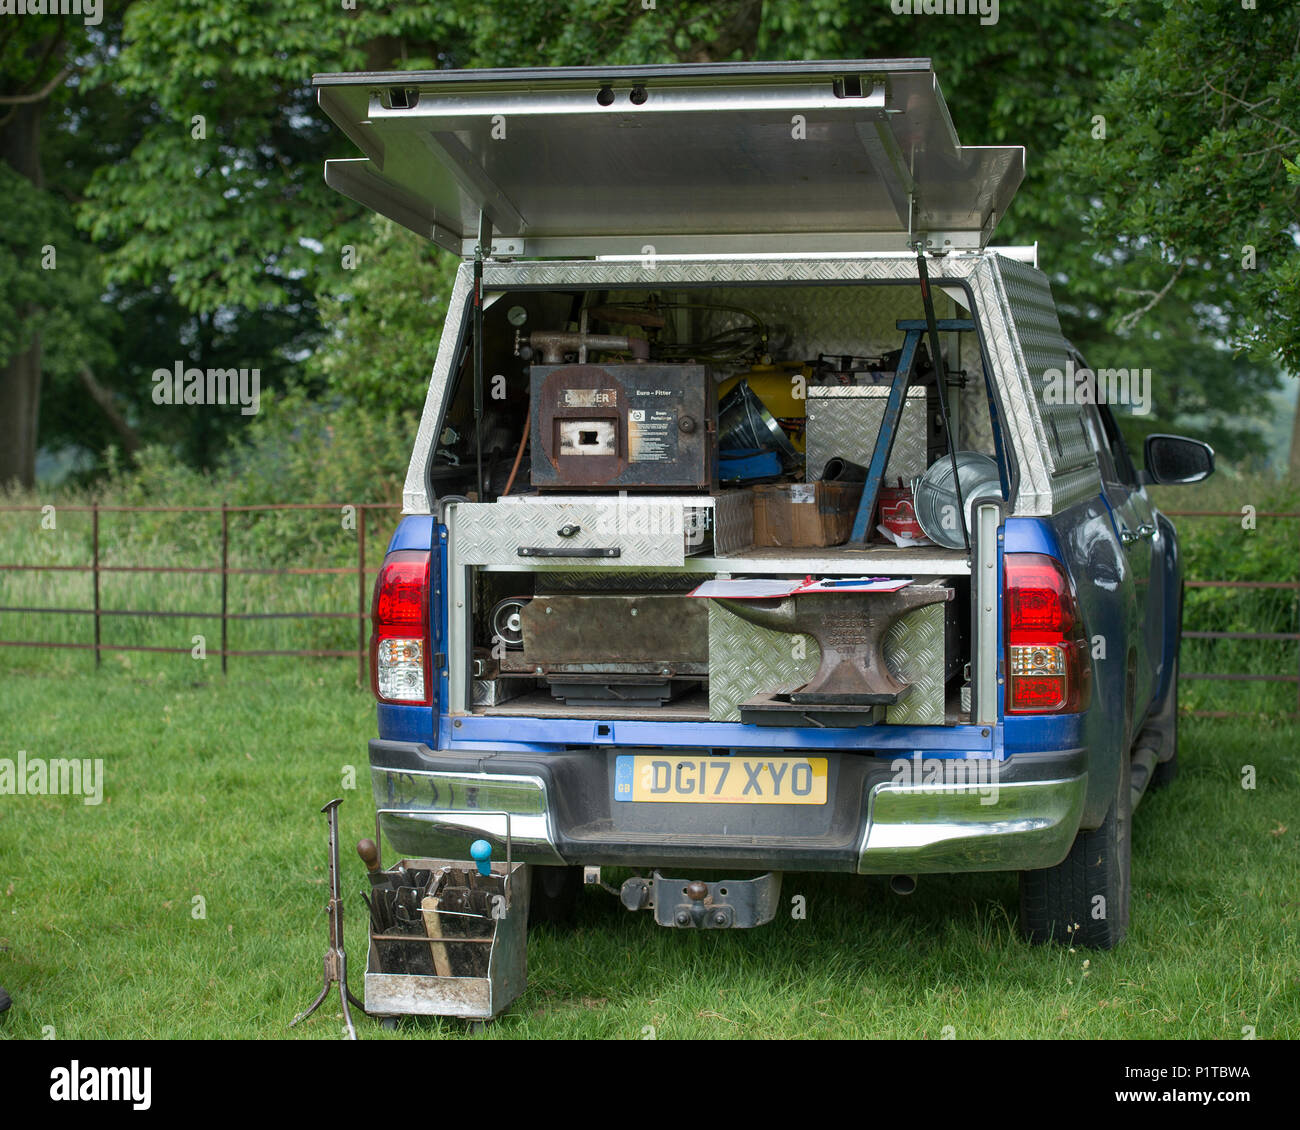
760, 518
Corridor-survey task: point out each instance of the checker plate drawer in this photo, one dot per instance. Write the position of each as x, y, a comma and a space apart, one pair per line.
597, 534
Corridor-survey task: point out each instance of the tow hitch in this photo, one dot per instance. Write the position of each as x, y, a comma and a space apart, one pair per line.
695, 904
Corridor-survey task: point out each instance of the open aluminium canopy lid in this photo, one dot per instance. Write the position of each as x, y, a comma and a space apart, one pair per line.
714, 158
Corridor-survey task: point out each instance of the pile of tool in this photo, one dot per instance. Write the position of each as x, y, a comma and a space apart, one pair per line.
432, 922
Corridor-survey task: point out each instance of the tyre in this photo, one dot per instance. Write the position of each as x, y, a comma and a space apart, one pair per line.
554, 897
1084, 899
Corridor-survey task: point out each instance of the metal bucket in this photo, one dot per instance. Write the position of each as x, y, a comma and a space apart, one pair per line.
744, 422
935, 499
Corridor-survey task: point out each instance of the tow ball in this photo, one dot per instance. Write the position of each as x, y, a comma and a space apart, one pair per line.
694, 904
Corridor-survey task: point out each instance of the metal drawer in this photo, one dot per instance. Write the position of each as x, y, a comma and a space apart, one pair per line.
530, 533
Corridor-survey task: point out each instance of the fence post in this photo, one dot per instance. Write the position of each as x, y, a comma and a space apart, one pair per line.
361, 595
225, 578
94, 558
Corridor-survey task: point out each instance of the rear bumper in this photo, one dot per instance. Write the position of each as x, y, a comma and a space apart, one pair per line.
883, 815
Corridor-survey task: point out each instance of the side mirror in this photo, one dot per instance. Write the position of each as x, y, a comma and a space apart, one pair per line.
1176, 459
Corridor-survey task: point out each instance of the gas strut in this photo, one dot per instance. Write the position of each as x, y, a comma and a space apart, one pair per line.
483, 246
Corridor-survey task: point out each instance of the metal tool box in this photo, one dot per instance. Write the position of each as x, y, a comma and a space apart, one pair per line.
504, 933
548, 531
844, 420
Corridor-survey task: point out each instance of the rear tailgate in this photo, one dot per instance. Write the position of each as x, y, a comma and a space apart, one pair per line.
834, 156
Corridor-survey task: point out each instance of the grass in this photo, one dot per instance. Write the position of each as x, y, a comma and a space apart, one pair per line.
213, 787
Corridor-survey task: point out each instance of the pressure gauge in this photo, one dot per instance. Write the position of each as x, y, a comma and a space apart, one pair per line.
516, 315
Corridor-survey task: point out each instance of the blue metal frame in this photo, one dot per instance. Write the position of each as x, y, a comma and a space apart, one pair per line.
555, 733
913, 330
1014, 735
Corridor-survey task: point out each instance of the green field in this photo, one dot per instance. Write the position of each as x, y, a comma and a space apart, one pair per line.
214, 785
213, 790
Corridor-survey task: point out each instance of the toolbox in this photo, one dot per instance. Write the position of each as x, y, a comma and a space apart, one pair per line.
844, 421
459, 949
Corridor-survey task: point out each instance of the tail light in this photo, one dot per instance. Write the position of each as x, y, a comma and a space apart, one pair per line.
399, 642
1047, 668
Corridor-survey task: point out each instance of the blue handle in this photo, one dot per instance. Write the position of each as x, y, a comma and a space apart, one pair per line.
480, 852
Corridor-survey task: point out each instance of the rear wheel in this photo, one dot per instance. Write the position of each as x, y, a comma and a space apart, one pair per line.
1084, 899
554, 897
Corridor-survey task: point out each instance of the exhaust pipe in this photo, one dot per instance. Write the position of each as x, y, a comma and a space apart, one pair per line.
902, 884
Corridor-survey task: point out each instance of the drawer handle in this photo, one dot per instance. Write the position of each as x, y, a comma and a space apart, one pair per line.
566, 551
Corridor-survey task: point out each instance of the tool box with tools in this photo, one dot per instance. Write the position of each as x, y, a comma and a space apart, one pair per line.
447, 937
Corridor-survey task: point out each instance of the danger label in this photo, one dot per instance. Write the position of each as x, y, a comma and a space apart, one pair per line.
588, 397
651, 435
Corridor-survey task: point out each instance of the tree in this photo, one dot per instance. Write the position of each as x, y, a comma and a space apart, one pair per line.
42, 297
216, 241
1191, 188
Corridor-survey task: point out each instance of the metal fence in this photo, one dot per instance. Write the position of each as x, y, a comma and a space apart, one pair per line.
97, 568
361, 613
1293, 586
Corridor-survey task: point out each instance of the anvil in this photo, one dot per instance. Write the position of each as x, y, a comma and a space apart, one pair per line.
850, 628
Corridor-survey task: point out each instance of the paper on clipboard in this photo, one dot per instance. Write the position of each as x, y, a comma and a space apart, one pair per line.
769, 588
748, 588
853, 584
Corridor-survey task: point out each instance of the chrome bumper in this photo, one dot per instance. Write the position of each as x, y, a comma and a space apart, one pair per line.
1015, 825
515, 813
1021, 826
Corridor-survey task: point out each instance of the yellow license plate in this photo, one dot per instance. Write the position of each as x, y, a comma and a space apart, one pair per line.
720, 780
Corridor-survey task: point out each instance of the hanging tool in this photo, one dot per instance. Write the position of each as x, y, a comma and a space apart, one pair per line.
381, 888
430, 908
336, 962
